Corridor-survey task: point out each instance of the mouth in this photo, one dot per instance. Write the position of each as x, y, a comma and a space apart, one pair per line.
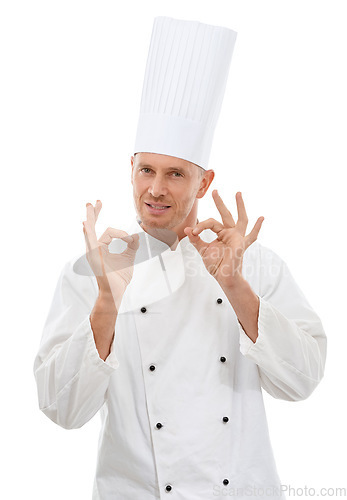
156, 208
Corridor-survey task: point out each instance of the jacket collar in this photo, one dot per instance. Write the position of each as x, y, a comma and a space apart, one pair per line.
149, 248
154, 244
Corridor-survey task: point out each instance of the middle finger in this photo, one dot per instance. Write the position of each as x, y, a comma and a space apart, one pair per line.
89, 226
241, 211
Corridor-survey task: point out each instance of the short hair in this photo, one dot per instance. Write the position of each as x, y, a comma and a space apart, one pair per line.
202, 171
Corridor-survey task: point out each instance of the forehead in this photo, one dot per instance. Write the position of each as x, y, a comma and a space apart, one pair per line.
157, 160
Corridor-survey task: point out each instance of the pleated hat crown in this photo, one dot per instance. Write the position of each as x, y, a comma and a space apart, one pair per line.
184, 84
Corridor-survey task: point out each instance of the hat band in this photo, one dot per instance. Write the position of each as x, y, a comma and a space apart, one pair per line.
174, 136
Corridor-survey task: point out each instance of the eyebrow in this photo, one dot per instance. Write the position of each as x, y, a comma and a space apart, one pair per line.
179, 169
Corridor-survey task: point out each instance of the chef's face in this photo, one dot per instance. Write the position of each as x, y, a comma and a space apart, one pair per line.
168, 182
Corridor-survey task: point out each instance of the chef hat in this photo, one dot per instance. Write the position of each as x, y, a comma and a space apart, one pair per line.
183, 89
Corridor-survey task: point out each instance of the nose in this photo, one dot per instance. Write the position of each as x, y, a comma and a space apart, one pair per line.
157, 187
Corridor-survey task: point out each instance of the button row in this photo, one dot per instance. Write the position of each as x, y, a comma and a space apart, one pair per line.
159, 425
222, 359
168, 487
144, 309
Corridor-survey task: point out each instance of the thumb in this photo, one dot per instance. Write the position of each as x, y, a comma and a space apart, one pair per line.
195, 240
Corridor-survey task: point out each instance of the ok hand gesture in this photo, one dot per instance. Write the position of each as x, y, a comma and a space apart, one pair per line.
113, 271
223, 256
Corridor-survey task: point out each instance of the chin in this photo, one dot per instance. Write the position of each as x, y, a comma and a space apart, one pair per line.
156, 223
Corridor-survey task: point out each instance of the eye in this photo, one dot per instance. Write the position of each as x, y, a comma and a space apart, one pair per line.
145, 168
179, 174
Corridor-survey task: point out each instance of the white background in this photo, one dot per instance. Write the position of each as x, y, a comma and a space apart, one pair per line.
70, 89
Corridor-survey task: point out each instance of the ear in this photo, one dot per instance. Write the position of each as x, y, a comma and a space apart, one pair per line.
205, 183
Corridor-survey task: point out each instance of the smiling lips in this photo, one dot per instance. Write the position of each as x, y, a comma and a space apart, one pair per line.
156, 207
157, 204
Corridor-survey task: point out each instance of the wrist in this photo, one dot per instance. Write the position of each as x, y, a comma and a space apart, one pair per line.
109, 302
235, 284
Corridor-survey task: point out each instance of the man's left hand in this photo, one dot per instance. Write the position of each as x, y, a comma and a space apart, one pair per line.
223, 256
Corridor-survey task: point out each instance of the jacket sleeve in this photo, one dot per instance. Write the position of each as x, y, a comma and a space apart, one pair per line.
290, 349
71, 378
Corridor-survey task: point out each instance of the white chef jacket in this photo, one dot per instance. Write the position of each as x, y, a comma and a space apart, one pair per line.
180, 394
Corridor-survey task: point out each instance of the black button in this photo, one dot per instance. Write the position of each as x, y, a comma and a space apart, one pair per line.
223, 359
143, 309
168, 487
225, 419
219, 301
225, 481
152, 368
159, 425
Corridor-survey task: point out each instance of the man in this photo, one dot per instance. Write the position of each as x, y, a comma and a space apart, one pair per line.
161, 180
173, 338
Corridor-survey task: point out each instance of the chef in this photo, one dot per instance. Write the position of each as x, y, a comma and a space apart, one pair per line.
172, 329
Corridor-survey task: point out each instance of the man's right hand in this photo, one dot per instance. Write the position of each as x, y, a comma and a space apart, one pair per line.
113, 271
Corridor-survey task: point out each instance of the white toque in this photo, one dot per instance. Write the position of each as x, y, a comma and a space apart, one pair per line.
185, 78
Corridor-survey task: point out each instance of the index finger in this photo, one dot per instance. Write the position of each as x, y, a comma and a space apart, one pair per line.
227, 218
